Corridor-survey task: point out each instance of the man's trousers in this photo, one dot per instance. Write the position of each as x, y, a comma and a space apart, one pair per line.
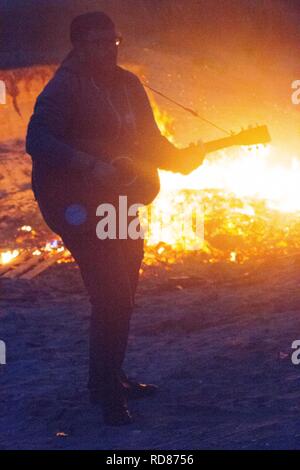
110, 271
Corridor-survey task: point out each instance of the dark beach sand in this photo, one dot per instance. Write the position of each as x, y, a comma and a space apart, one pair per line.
219, 347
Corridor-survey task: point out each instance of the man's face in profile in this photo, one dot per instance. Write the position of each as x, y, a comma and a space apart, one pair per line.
100, 49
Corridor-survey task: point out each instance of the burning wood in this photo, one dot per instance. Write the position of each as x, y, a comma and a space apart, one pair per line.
28, 264
236, 230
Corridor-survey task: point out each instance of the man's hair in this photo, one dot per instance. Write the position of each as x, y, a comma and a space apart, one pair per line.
82, 24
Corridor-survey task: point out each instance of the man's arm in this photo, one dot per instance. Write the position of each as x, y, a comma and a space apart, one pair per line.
51, 117
162, 152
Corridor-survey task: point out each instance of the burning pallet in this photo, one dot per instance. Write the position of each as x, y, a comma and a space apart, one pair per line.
28, 265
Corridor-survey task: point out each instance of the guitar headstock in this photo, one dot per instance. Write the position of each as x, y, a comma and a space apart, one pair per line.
252, 136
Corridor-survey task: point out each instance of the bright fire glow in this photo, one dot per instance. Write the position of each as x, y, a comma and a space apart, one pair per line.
7, 256
245, 173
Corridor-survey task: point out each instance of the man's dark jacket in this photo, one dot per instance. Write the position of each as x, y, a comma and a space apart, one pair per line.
75, 116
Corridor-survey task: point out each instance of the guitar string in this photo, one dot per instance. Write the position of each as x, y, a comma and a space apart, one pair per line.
189, 110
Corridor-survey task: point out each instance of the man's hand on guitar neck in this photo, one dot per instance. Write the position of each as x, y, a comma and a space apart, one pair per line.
192, 157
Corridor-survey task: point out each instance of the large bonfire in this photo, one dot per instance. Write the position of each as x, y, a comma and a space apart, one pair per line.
250, 208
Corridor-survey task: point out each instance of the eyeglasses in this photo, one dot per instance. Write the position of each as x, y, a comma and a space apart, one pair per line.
118, 40
106, 42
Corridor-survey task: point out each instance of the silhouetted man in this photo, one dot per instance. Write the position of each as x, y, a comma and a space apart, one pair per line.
91, 112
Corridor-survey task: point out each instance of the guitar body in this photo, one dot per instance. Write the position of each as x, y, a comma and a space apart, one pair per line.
68, 200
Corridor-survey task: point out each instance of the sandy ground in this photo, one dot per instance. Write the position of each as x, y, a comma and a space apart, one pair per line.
218, 344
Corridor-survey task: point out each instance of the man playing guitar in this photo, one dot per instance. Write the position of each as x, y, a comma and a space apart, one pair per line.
89, 122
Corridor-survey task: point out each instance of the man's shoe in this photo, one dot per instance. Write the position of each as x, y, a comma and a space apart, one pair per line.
139, 390
115, 412
116, 415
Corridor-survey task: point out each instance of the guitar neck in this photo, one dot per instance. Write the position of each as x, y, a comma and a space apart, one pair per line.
214, 145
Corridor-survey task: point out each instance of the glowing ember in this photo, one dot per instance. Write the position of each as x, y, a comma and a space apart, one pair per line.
54, 245
7, 256
26, 228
